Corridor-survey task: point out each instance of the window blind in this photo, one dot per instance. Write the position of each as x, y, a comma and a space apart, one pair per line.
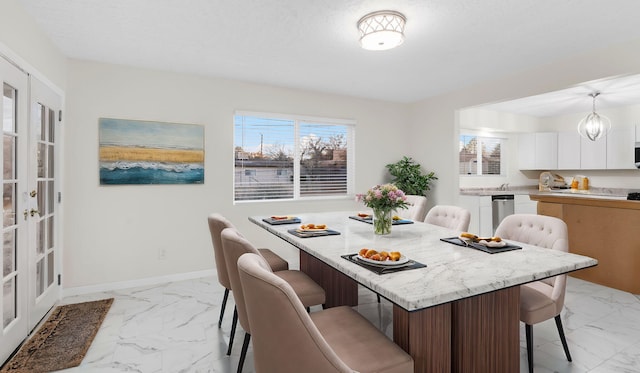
290, 158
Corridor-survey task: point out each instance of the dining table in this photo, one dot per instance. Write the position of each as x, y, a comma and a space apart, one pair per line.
456, 309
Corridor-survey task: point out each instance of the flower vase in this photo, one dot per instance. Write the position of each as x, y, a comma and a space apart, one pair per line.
382, 221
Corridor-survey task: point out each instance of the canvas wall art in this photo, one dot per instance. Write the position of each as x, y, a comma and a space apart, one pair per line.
144, 152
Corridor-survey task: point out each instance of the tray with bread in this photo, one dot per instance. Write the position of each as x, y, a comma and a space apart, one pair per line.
491, 245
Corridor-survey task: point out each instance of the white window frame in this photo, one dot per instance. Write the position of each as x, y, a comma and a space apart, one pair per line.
480, 136
350, 137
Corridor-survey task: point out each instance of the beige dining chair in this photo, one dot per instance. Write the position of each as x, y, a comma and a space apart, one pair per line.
286, 339
234, 246
452, 217
416, 210
217, 223
544, 299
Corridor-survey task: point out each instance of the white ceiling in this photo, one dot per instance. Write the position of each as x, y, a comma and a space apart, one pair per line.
313, 44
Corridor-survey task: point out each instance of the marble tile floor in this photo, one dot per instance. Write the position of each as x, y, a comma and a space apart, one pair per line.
173, 328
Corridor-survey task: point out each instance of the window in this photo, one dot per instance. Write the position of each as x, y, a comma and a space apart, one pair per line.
483, 151
291, 157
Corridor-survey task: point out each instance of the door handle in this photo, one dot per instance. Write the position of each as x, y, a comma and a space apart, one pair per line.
33, 212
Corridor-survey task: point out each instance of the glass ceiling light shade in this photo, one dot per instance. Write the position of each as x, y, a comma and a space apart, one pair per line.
594, 126
381, 30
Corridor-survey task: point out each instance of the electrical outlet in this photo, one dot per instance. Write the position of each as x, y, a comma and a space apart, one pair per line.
162, 254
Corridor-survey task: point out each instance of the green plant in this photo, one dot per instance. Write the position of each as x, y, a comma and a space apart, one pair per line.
408, 176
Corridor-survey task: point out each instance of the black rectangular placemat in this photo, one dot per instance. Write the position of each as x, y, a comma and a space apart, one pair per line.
477, 246
273, 221
412, 264
303, 234
370, 220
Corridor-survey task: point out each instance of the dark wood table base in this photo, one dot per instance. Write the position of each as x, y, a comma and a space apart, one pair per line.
476, 334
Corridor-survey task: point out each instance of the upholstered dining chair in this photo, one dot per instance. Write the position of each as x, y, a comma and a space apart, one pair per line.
544, 299
234, 246
452, 217
217, 223
416, 210
286, 339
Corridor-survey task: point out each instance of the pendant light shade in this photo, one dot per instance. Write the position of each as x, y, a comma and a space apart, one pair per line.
594, 126
381, 30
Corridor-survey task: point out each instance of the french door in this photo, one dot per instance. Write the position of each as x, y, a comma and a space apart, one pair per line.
29, 259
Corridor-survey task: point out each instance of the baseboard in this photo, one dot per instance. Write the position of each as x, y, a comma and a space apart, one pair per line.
81, 290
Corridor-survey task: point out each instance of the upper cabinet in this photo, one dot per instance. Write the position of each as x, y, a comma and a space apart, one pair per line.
546, 156
621, 148
569, 151
538, 151
526, 151
593, 154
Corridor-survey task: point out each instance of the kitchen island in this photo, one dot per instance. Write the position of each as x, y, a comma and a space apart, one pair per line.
601, 227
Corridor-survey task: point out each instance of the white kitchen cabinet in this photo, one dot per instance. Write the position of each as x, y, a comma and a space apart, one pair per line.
637, 132
593, 154
546, 150
526, 151
569, 150
481, 214
524, 205
538, 151
621, 148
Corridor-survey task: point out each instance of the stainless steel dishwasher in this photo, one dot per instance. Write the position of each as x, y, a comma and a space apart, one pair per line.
501, 206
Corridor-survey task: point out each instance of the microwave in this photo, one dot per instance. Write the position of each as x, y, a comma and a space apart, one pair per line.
637, 160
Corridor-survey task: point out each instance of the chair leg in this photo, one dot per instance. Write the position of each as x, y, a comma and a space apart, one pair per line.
233, 329
529, 332
308, 309
562, 338
243, 354
224, 305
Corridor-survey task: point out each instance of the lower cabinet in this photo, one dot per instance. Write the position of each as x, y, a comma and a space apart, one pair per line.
481, 211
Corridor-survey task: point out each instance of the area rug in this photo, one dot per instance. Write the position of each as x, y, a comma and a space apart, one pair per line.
62, 341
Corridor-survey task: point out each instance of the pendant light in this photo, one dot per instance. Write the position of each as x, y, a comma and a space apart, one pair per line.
594, 126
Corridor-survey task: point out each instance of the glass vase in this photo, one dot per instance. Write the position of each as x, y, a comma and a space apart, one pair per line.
382, 221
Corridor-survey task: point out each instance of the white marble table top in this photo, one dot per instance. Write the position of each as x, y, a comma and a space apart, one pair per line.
452, 272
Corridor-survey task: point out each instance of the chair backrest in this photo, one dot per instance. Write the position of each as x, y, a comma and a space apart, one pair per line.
217, 223
234, 245
539, 230
417, 208
284, 337
452, 217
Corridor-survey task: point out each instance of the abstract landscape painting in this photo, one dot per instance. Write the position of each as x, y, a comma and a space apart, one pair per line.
142, 152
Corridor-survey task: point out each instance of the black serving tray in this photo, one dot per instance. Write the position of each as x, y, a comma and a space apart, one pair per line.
273, 221
477, 246
412, 264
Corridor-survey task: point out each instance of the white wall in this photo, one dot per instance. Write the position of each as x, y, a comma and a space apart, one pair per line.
113, 233
26, 45
435, 120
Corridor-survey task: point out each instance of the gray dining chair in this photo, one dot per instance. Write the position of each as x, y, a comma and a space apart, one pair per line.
217, 223
544, 299
452, 217
286, 339
234, 246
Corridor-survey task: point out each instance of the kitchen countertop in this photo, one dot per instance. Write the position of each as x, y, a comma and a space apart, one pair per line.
595, 193
525, 189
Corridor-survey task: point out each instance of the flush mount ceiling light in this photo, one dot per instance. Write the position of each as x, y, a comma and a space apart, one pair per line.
381, 30
594, 126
